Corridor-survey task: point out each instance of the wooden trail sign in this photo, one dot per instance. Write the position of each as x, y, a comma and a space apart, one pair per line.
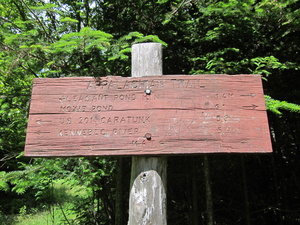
155, 115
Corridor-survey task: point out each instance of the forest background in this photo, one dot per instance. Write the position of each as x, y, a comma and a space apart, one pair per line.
59, 38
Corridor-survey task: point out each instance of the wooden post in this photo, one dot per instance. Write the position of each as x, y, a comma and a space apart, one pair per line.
147, 201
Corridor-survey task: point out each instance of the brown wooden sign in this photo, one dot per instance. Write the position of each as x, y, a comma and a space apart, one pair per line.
157, 115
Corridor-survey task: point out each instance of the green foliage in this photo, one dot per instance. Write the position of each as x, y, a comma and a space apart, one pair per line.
97, 176
264, 65
59, 212
122, 48
92, 180
37, 176
60, 38
3, 182
82, 41
55, 215
275, 106
44, 40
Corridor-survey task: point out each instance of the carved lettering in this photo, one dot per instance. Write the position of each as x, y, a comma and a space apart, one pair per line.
126, 85
86, 119
190, 84
223, 95
65, 120
223, 118
102, 108
83, 98
140, 143
125, 131
129, 97
73, 108
152, 97
228, 129
128, 119
81, 132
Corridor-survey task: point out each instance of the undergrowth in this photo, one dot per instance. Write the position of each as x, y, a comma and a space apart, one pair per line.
60, 211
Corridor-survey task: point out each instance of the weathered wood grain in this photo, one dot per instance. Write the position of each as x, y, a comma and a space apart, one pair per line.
148, 183
157, 115
148, 200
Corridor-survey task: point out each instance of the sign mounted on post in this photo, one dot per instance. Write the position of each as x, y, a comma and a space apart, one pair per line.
157, 115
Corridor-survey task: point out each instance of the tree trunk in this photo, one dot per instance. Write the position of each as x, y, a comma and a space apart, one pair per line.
119, 215
195, 194
209, 201
246, 196
147, 201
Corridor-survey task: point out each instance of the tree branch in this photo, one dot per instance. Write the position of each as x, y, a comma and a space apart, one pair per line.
39, 21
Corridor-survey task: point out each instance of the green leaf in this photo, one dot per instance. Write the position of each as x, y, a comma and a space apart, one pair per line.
44, 7
162, 1
276, 105
68, 20
3, 183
